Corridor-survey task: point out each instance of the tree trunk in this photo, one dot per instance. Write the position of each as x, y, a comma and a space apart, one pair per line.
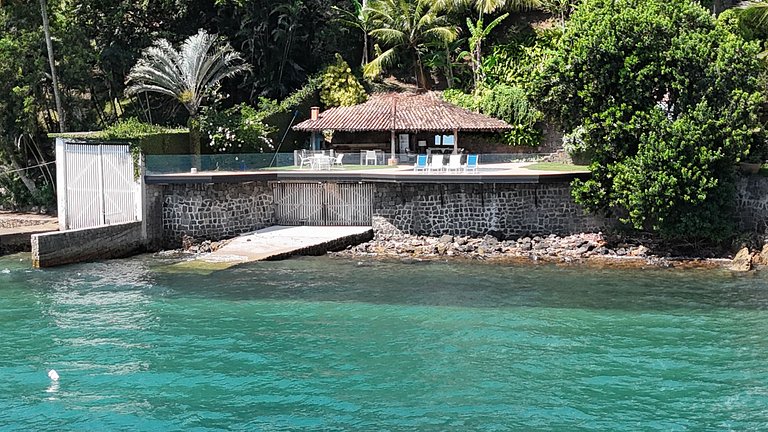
19, 170
194, 140
421, 77
51, 61
365, 49
448, 67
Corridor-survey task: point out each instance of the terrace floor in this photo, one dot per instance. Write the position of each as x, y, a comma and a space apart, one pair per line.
488, 173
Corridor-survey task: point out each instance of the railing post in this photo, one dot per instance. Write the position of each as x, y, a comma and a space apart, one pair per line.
61, 183
102, 210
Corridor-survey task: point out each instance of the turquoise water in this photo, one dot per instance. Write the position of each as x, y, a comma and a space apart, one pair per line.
326, 344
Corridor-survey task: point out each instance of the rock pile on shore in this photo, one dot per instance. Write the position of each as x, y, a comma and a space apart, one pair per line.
548, 248
190, 245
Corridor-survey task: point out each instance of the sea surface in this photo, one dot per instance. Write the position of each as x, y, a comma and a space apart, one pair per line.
329, 344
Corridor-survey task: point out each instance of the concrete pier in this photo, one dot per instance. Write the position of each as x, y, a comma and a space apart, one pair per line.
280, 242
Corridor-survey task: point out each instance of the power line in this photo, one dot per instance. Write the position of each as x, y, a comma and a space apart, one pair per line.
24, 169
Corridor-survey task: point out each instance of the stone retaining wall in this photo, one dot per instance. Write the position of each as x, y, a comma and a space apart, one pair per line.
504, 210
86, 244
213, 211
222, 210
752, 204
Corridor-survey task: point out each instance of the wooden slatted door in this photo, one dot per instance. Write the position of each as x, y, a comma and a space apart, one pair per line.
323, 203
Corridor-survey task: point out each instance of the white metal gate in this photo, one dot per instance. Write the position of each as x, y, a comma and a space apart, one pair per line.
96, 185
323, 203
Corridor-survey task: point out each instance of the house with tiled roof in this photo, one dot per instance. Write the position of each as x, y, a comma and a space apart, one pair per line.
399, 123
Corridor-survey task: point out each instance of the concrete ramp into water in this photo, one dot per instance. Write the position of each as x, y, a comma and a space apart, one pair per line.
280, 242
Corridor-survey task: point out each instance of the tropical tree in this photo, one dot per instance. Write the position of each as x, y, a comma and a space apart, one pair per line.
362, 19
665, 100
49, 46
407, 27
478, 31
188, 75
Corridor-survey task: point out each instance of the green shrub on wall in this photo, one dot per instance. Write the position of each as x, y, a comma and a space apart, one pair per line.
505, 102
340, 87
240, 129
667, 101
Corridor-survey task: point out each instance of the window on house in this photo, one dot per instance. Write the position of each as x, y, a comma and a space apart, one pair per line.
445, 140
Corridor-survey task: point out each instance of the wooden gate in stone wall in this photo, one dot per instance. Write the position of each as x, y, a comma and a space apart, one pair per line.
323, 203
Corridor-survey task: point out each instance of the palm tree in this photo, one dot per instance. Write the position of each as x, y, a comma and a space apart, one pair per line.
477, 30
755, 13
361, 19
188, 75
407, 27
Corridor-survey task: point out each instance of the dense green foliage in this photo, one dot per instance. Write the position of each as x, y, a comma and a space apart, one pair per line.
664, 99
668, 101
340, 87
509, 103
239, 129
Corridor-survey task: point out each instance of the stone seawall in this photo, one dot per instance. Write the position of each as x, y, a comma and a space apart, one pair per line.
752, 204
87, 244
506, 210
217, 211
212, 211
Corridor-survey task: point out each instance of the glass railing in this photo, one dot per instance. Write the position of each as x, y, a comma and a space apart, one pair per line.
176, 164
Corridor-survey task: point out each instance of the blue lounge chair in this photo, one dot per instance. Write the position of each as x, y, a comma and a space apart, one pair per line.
421, 163
471, 165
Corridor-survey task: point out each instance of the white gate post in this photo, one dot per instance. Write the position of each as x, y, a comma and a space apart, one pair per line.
102, 210
61, 183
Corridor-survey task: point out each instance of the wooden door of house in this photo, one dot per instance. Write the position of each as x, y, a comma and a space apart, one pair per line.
323, 203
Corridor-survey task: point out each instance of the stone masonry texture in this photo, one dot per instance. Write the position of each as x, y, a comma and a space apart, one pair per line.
215, 211
506, 210
224, 210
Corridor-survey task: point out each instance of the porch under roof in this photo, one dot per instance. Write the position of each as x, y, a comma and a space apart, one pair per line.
403, 112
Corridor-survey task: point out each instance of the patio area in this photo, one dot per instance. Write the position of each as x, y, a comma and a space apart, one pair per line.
503, 172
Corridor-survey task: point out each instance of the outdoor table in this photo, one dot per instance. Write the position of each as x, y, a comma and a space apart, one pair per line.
320, 162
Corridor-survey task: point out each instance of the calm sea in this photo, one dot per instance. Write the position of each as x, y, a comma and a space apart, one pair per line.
327, 344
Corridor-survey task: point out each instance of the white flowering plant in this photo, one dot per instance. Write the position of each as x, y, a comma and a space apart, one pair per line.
240, 129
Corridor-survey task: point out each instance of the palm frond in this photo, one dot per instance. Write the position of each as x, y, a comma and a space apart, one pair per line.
376, 66
187, 74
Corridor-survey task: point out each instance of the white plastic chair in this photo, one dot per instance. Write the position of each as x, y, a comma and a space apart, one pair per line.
370, 155
337, 161
305, 160
454, 162
436, 163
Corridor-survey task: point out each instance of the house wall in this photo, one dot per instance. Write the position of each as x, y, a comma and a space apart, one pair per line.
471, 142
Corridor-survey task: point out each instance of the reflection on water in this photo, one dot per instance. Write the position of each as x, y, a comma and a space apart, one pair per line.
326, 344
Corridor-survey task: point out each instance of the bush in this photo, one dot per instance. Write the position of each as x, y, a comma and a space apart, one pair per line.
130, 129
668, 102
508, 103
340, 87
239, 129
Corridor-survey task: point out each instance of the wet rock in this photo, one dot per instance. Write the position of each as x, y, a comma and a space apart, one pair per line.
446, 239
761, 258
742, 261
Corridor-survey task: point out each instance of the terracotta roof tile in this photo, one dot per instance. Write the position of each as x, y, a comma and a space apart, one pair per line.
405, 111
